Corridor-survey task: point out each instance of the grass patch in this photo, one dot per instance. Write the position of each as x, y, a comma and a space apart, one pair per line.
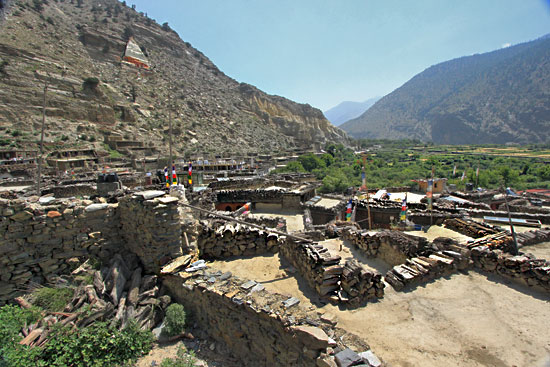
52, 299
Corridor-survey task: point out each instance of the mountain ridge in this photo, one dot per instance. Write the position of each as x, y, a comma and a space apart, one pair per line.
71, 44
495, 97
348, 110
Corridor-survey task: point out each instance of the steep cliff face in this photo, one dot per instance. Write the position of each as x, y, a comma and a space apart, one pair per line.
77, 50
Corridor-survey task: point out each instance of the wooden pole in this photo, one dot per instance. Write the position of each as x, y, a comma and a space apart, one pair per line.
39, 178
515, 249
246, 223
170, 128
432, 197
364, 172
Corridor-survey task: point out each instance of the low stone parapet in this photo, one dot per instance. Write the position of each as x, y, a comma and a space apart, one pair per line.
262, 328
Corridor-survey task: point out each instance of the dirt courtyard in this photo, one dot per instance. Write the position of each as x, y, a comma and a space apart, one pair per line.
463, 320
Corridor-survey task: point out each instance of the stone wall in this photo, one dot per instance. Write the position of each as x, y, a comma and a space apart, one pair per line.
524, 268
37, 240
262, 328
220, 239
151, 228
254, 196
66, 191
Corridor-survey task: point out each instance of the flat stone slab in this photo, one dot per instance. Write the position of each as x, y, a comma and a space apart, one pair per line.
95, 207
348, 358
21, 216
168, 199
292, 301
258, 287
248, 285
46, 199
312, 337
370, 359
150, 194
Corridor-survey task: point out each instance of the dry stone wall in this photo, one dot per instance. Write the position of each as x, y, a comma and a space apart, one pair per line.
151, 228
262, 328
37, 240
254, 196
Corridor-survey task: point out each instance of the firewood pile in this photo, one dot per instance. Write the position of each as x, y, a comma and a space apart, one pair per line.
525, 267
423, 268
502, 241
533, 237
359, 284
470, 227
120, 293
222, 239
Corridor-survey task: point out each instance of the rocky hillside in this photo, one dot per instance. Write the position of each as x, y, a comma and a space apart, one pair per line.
348, 110
76, 46
496, 97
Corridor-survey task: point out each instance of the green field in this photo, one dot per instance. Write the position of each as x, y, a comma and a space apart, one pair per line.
397, 163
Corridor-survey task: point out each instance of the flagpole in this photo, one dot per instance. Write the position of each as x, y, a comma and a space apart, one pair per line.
431, 196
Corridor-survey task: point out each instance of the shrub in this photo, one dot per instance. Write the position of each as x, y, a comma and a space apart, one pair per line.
174, 322
91, 82
52, 299
183, 359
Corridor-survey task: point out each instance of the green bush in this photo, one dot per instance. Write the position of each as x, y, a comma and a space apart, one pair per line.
183, 359
52, 299
174, 322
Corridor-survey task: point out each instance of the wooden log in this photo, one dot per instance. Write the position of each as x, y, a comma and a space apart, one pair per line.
118, 285
98, 283
133, 293
69, 319
22, 302
121, 307
33, 335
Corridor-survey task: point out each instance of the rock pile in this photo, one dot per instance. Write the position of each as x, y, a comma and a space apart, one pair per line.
218, 240
525, 268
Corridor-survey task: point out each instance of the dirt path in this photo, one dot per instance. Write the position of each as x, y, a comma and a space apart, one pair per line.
463, 320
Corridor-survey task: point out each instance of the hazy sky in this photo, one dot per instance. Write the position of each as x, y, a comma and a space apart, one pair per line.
323, 52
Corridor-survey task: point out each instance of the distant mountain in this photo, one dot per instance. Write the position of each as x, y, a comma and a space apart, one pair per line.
348, 110
496, 97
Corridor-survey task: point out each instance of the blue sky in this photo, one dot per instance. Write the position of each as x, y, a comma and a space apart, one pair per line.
323, 52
